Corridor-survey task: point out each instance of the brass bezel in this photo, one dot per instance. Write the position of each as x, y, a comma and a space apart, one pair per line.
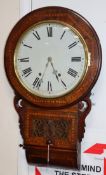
75, 31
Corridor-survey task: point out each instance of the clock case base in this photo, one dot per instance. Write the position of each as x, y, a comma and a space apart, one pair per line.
52, 136
58, 157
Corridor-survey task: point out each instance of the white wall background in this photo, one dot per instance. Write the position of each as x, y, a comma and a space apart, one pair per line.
10, 12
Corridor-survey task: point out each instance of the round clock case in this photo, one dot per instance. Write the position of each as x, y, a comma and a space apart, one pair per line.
53, 57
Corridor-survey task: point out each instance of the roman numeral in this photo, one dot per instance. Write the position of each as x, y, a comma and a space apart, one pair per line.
36, 35
27, 45
49, 87
26, 72
49, 31
76, 59
72, 72
37, 83
24, 59
62, 34
73, 44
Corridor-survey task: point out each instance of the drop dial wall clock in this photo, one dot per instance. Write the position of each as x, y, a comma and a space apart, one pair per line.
52, 61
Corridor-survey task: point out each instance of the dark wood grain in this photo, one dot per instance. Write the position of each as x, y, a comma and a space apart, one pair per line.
85, 29
43, 120
65, 147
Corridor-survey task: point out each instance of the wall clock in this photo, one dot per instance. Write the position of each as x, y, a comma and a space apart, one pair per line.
52, 61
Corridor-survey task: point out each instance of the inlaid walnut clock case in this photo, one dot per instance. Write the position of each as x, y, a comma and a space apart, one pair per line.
52, 61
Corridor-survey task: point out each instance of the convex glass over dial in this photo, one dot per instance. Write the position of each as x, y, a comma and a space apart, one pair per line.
50, 59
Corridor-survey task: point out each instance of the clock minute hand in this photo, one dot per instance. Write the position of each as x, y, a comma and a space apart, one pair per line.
44, 70
41, 79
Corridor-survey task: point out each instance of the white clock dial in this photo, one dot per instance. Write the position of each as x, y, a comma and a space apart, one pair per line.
50, 59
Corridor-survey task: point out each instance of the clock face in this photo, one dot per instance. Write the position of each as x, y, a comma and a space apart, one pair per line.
50, 59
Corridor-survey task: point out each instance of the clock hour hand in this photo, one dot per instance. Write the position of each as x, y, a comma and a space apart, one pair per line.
57, 75
54, 70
